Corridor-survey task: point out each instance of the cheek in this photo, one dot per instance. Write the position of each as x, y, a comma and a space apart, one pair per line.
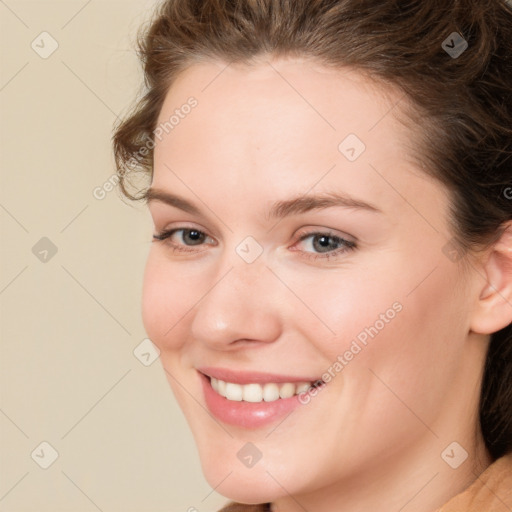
415, 357
167, 296
346, 304
401, 315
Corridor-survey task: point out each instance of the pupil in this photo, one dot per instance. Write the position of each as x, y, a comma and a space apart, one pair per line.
322, 243
195, 236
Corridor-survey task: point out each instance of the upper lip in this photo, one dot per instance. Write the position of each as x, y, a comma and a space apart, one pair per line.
251, 377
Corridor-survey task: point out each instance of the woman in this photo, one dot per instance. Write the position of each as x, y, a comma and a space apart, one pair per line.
330, 283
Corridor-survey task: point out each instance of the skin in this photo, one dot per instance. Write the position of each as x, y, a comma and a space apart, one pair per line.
372, 438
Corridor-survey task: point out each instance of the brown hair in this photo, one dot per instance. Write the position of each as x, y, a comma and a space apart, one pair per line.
462, 104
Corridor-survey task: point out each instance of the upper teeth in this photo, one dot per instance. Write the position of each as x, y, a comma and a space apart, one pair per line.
258, 392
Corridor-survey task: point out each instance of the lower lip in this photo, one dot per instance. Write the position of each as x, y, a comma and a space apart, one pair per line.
246, 414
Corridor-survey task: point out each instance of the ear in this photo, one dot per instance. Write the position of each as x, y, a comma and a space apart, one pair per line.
493, 310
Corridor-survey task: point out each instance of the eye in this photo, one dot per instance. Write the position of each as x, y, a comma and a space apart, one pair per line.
181, 238
325, 245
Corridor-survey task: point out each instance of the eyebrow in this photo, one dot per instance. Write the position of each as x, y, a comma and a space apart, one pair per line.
279, 209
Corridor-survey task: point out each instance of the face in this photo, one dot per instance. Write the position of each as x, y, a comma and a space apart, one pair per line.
303, 244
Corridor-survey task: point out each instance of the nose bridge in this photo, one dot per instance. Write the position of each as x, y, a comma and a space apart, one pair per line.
237, 305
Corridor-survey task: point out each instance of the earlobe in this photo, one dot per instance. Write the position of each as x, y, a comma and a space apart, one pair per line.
494, 308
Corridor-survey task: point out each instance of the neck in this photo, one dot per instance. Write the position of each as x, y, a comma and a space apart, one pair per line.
422, 482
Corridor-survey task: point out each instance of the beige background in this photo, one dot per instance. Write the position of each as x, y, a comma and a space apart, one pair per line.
70, 322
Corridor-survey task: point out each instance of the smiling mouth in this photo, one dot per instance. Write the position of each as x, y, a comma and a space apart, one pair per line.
254, 392
253, 399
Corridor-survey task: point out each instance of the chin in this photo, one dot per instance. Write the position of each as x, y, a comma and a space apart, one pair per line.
248, 486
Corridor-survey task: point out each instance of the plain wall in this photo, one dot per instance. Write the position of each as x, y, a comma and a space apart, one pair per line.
70, 321
71, 269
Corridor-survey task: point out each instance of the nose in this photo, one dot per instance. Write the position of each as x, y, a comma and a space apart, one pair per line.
240, 305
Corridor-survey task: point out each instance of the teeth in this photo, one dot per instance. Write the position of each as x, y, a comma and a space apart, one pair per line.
302, 387
270, 392
234, 391
252, 393
287, 390
256, 392
221, 387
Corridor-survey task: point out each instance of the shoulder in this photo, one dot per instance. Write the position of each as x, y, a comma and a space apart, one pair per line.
239, 507
490, 492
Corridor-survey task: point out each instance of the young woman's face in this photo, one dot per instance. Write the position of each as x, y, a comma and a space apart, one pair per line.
306, 246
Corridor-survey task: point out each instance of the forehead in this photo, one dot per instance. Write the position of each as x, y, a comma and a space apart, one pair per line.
290, 123
282, 90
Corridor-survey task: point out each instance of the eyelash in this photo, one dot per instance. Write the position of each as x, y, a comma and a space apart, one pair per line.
348, 245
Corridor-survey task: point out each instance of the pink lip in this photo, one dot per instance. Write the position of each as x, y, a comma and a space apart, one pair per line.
246, 414
251, 377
